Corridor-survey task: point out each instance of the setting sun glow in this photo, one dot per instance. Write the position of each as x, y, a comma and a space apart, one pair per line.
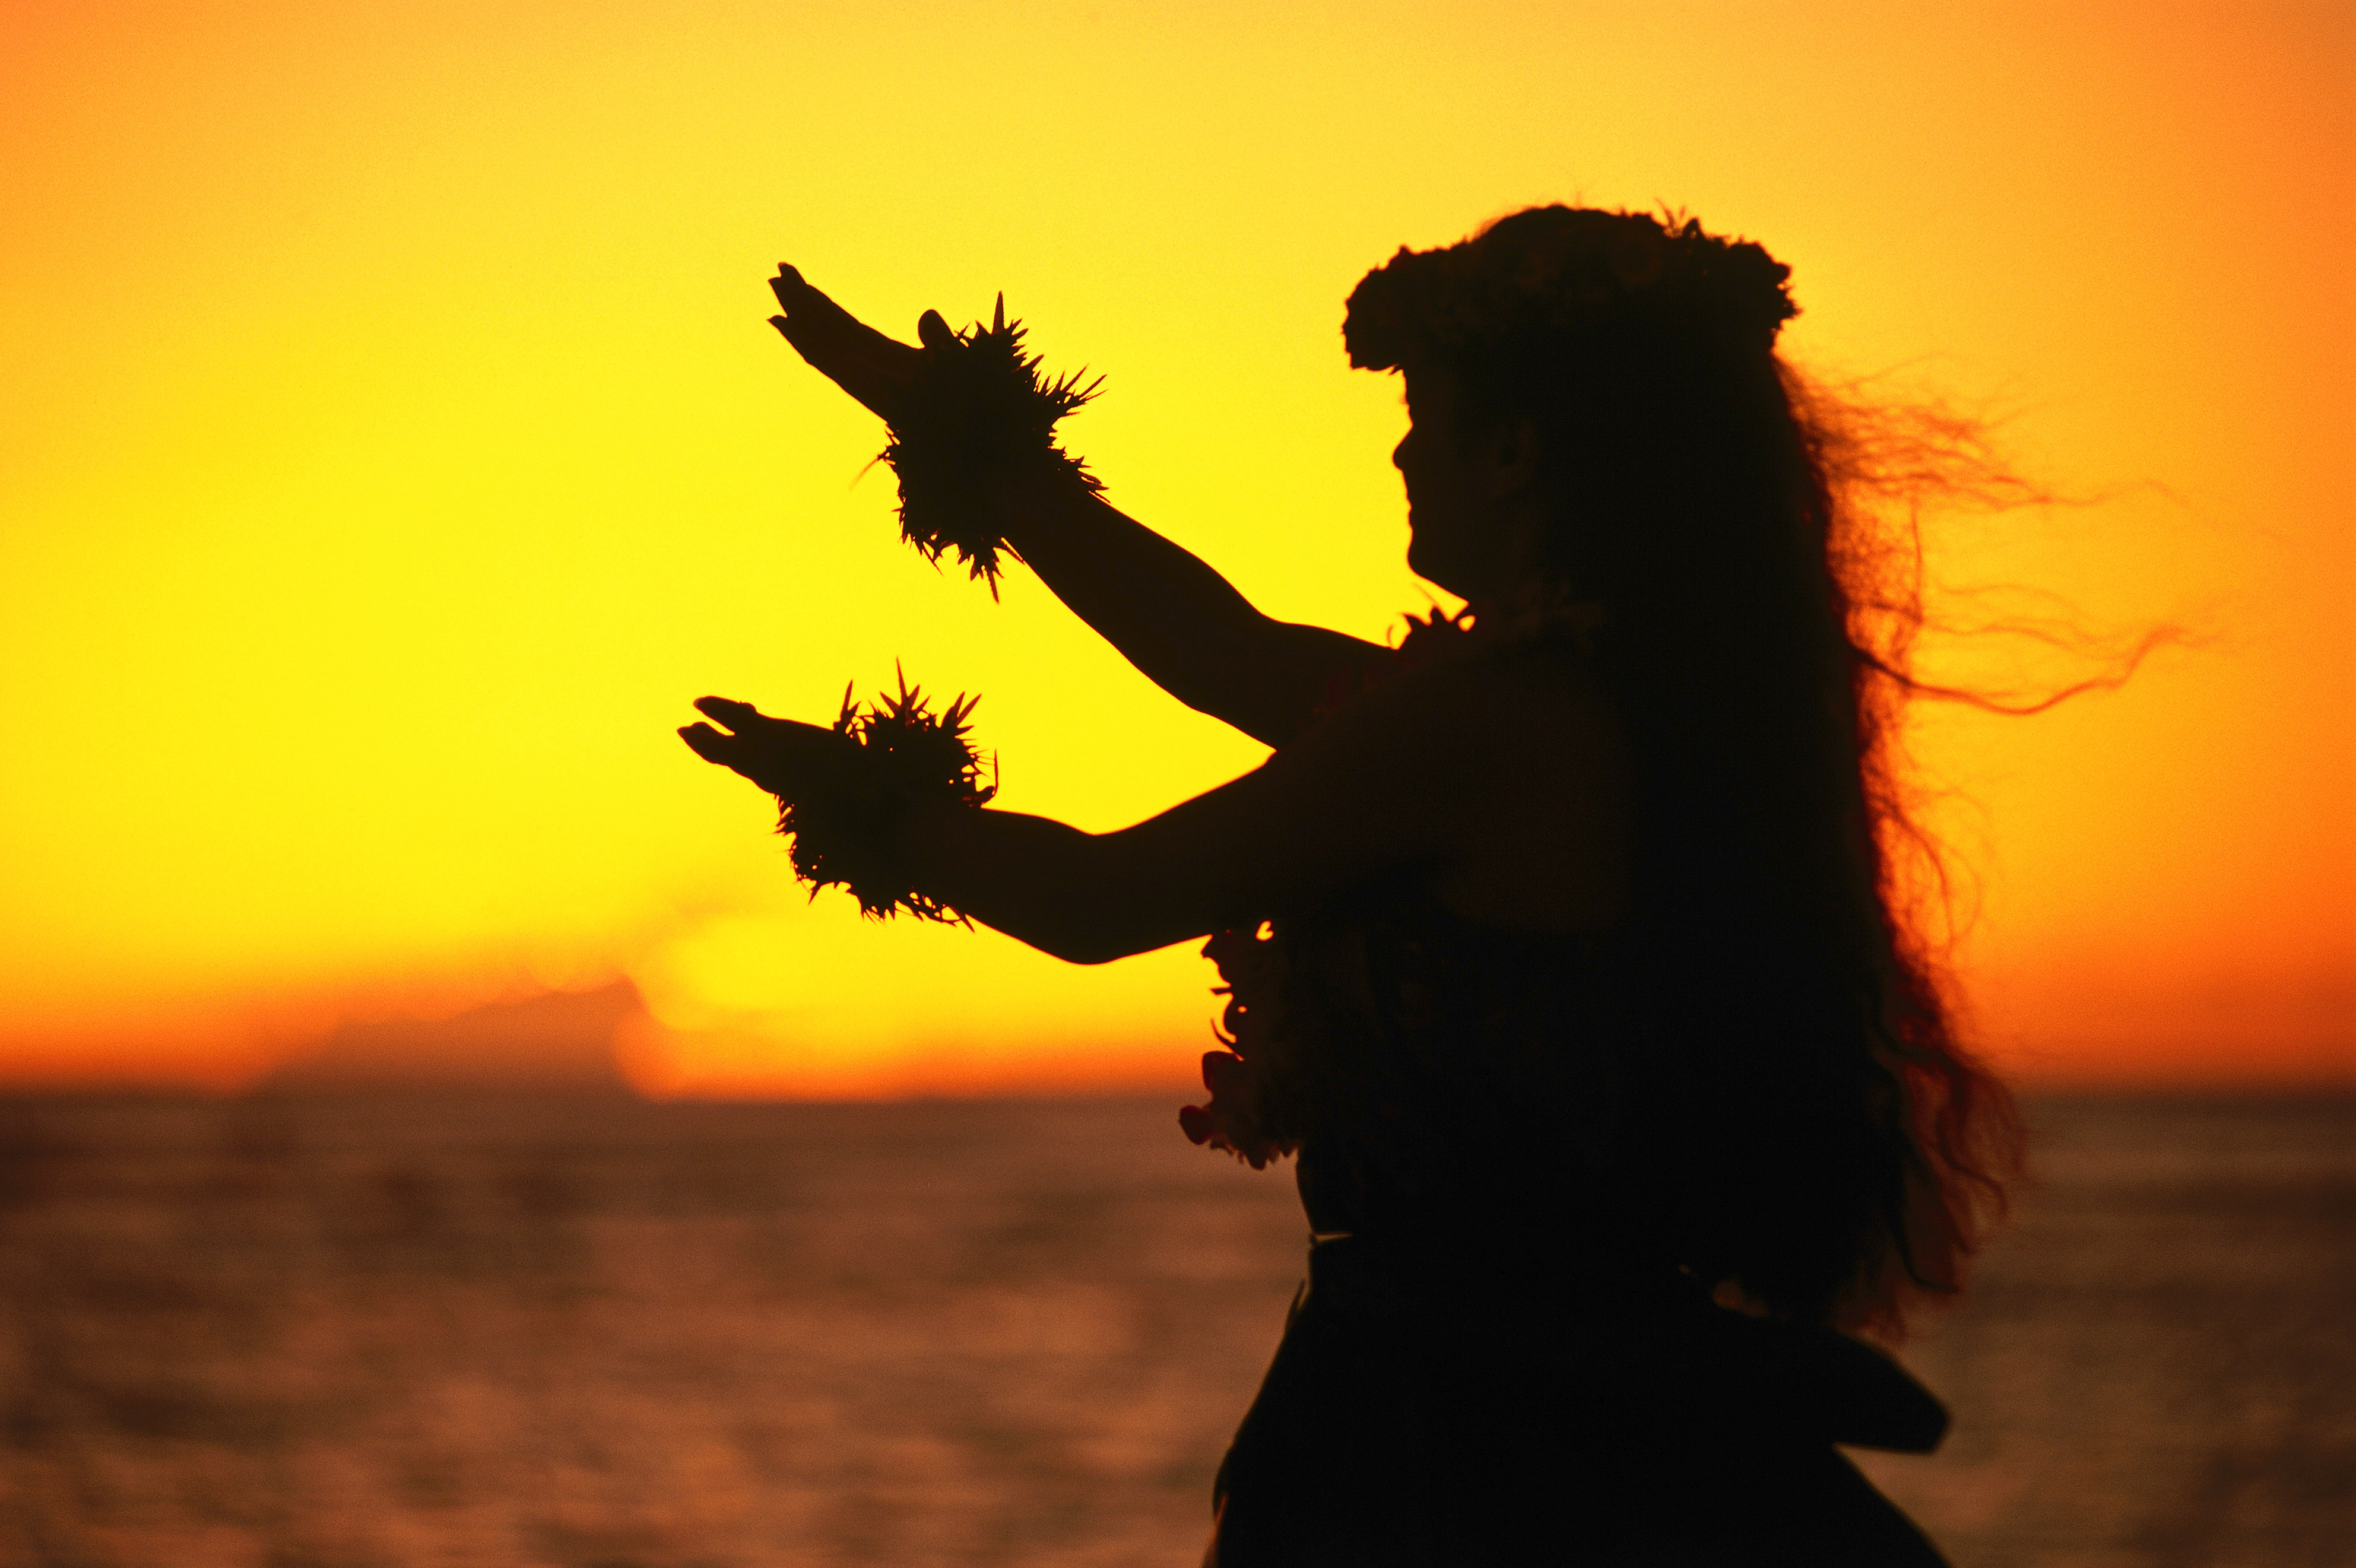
394, 446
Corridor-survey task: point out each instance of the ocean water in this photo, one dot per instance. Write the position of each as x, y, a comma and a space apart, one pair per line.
605, 1333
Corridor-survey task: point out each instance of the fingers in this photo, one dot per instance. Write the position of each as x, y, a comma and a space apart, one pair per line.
750, 756
792, 290
716, 745
811, 319
871, 366
744, 718
772, 753
727, 710
809, 310
709, 744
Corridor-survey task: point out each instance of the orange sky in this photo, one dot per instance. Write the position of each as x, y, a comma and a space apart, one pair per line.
391, 445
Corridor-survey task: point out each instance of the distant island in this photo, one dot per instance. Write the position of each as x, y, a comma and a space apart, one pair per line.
558, 1042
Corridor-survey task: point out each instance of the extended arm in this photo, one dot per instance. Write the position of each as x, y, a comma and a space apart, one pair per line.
1502, 790
1345, 801
1180, 622
1218, 861
1182, 625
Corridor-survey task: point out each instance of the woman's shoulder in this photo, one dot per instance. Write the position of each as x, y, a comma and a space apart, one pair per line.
1470, 724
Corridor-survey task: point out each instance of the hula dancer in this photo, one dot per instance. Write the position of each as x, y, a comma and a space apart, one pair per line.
1565, 950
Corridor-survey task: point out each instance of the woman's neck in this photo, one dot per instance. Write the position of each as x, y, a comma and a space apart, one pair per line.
1533, 603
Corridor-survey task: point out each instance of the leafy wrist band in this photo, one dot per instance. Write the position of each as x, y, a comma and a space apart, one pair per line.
978, 413
845, 819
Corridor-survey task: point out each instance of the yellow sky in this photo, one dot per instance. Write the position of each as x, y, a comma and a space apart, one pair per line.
393, 445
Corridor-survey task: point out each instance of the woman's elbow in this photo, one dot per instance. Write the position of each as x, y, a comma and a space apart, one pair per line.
1074, 941
1089, 947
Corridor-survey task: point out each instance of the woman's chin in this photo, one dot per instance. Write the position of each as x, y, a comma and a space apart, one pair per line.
1431, 566
1439, 577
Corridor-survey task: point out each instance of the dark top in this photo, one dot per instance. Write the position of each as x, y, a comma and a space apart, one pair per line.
1449, 1084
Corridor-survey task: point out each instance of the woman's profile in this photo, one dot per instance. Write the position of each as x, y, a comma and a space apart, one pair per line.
1568, 952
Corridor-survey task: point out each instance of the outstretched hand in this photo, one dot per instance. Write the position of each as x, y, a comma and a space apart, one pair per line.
872, 367
782, 756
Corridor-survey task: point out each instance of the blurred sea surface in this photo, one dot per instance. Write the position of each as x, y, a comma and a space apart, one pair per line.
600, 1333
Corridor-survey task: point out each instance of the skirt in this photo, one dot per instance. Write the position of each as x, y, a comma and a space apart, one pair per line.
1651, 1430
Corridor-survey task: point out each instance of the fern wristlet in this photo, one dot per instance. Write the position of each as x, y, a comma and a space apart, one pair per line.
977, 419
845, 792
971, 419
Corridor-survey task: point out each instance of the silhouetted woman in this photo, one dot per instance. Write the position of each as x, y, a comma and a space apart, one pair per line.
1566, 949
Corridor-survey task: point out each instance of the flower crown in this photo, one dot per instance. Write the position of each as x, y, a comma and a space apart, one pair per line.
1559, 273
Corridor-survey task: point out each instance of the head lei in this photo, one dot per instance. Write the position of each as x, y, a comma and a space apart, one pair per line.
1552, 276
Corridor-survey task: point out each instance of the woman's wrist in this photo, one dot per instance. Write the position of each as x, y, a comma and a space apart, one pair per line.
974, 432
851, 823
1030, 506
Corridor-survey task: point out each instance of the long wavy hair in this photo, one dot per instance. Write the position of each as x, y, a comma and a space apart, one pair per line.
1802, 1126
